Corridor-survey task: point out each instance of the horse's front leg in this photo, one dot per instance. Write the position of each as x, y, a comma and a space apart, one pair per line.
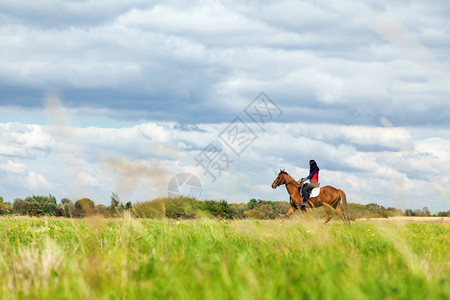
289, 212
305, 213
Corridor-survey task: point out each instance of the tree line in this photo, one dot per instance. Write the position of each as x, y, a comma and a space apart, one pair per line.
37, 205
183, 208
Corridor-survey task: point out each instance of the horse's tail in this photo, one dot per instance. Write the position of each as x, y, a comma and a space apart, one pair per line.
344, 205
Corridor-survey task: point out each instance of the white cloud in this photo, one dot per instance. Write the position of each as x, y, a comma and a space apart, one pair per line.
22, 139
84, 179
10, 150
211, 17
13, 167
35, 180
139, 161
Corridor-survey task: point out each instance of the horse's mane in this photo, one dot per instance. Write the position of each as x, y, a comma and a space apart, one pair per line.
290, 178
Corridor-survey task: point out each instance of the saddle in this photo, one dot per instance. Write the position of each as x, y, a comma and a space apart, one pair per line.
314, 192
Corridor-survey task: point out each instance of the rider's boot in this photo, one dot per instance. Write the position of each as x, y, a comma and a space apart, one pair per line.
305, 199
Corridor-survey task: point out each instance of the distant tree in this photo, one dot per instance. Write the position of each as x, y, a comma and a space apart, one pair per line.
128, 206
51, 199
394, 211
267, 210
84, 207
263, 209
18, 204
59, 212
27, 207
281, 207
116, 208
235, 210
219, 209
115, 200
409, 212
253, 203
66, 208
66, 201
150, 209
181, 207
5, 207
37, 205
102, 210
254, 214
443, 213
33, 205
426, 211
241, 208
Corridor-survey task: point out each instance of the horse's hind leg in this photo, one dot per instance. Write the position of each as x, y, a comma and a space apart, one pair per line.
329, 213
339, 212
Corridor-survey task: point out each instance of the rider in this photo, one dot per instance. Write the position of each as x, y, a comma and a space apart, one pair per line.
314, 181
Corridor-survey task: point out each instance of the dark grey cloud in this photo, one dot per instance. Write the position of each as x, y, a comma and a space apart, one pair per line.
61, 14
200, 62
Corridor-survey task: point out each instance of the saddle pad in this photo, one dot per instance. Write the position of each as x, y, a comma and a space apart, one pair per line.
315, 192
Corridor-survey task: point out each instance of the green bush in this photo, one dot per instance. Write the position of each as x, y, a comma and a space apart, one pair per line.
84, 208
150, 209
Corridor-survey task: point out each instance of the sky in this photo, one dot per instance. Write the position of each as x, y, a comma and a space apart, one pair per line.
99, 97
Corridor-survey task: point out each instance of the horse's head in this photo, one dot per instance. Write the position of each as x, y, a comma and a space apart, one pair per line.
281, 179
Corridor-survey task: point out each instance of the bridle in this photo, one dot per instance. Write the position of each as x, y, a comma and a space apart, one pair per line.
278, 183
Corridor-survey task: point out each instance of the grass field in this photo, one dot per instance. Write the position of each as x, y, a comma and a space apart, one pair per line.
51, 258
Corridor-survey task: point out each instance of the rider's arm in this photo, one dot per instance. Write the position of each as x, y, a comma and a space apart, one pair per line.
310, 175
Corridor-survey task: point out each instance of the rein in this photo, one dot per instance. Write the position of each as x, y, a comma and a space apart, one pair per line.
293, 180
281, 179
278, 183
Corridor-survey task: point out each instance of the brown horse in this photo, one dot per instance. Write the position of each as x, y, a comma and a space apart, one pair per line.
328, 197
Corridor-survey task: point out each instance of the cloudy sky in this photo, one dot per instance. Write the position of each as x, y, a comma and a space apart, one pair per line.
120, 96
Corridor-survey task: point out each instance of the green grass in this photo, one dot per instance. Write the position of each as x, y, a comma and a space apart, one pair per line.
51, 258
